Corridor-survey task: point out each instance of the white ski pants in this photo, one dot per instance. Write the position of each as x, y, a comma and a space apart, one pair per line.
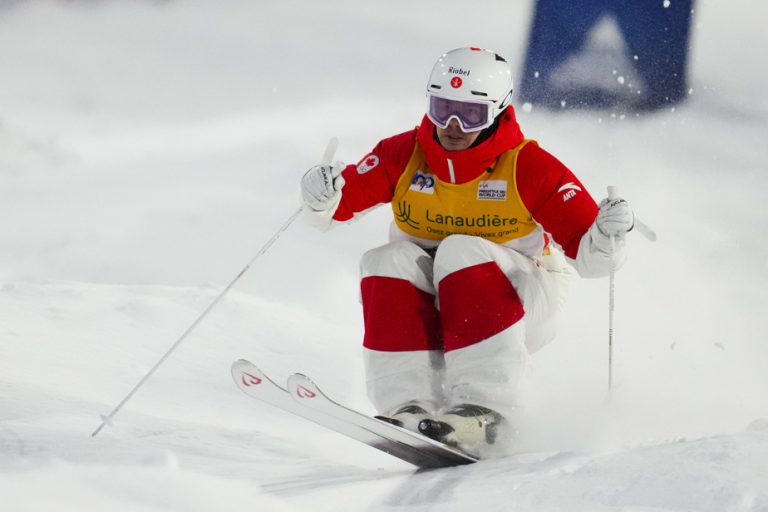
457, 327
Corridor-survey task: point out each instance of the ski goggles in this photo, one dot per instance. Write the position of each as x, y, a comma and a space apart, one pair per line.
471, 115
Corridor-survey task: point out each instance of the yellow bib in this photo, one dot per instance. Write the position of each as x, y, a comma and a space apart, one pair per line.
488, 206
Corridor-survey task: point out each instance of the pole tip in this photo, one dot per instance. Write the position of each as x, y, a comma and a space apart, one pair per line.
105, 420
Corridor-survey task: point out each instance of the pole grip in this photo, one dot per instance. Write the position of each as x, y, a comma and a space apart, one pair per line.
330, 150
642, 227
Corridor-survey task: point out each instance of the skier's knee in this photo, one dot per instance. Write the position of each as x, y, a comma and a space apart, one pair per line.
460, 251
398, 259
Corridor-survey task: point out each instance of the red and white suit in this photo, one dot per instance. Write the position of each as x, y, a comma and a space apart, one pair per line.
474, 278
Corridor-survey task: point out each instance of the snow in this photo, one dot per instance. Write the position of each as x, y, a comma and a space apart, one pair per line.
148, 150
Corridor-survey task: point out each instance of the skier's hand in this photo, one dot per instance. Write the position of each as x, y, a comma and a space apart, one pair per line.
615, 217
321, 186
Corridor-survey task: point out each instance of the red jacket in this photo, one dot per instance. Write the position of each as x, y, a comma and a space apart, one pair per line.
546, 185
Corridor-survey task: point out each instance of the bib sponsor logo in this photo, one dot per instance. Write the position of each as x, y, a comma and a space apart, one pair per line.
403, 215
370, 162
492, 190
423, 182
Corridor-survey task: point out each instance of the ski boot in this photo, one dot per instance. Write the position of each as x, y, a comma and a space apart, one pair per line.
470, 428
408, 415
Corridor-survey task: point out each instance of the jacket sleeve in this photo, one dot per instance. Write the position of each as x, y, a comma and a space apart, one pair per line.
368, 184
560, 203
372, 181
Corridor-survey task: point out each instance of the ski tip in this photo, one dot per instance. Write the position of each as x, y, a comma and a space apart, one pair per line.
299, 379
301, 387
245, 374
239, 366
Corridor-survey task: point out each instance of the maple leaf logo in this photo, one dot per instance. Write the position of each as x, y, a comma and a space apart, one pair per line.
367, 164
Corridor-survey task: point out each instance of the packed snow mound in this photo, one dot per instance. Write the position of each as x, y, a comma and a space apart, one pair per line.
207, 446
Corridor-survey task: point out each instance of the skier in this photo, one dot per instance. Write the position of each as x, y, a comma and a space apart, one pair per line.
488, 229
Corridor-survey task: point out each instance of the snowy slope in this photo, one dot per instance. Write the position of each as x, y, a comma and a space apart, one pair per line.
149, 149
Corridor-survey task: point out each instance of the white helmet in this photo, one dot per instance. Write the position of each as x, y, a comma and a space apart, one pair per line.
470, 84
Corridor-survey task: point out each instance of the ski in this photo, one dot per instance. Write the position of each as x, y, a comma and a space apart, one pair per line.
305, 399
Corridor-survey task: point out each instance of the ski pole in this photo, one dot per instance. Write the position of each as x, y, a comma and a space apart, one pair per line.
611, 296
648, 233
330, 150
